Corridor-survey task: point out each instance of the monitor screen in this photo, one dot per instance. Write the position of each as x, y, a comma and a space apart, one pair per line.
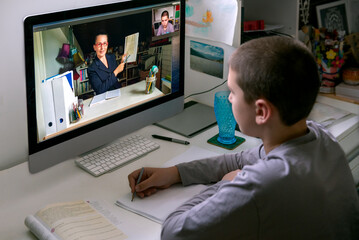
93, 70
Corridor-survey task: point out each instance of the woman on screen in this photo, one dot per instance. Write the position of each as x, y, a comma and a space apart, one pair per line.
104, 69
166, 26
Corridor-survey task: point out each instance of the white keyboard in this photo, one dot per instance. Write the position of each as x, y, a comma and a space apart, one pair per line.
114, 155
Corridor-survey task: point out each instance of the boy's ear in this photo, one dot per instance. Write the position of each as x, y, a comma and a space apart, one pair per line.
263, 111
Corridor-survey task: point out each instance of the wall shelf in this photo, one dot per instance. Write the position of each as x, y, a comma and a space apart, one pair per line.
332, 95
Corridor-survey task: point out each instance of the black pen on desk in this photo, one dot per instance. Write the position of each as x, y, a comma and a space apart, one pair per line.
170, 139
138, 181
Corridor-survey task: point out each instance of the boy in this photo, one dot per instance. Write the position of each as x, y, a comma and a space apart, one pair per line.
296, 185
166, 26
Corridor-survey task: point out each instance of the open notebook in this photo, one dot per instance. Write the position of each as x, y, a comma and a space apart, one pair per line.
158, 206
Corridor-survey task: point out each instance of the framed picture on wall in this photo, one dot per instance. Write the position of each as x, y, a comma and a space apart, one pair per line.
333, 16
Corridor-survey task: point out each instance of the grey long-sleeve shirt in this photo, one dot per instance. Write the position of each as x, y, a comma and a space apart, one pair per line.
303, 189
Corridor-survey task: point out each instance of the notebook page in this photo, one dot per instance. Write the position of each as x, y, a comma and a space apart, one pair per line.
158, 206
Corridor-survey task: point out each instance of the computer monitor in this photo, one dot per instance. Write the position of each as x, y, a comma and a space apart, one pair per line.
62, 83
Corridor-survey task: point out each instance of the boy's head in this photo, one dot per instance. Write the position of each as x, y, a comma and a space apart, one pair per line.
281, 70
164, 18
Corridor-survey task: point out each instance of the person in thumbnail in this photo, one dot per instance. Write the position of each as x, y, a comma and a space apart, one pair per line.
166, 26
103, 71
295, 185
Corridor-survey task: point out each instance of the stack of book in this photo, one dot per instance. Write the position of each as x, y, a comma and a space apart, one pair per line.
348, 91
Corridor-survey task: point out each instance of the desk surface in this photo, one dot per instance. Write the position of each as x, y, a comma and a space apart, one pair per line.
131, 96
23, 193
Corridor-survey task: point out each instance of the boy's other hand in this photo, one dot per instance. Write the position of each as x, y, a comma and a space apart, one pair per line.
153, 179
231, 175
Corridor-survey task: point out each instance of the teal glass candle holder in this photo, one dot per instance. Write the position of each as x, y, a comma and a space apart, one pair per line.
224, 116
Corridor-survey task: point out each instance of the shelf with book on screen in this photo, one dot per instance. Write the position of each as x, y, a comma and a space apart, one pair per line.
132, 74
83, 87
129, 75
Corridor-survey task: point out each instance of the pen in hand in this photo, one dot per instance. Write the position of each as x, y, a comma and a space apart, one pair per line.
138, 181
127, 58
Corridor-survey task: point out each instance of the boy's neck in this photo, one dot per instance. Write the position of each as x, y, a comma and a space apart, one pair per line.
275, 136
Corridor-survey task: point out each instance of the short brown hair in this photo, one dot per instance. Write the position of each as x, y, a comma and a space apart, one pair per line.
281, 70
165, 13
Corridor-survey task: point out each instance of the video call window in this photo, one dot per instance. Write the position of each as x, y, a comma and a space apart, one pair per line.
69, 72
166, 20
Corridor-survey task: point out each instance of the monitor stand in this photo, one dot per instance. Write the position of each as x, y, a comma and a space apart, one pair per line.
195, 118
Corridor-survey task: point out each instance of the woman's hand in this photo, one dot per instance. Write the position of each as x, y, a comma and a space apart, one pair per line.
124, 56
153, 179
119, 69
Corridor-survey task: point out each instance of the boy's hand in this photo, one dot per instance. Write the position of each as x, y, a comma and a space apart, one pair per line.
153, 179
231, 175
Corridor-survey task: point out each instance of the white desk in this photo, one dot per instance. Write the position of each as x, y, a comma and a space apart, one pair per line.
23, 193
131, 96
346, 131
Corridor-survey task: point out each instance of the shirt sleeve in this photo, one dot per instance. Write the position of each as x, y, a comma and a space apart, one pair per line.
225, 210
211, 170
160, 30
170, 28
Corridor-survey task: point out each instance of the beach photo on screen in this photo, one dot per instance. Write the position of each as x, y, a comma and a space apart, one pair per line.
206, 58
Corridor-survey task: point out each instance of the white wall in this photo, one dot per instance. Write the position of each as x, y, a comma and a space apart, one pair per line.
53, 40
13, 123
353, 9
197, 82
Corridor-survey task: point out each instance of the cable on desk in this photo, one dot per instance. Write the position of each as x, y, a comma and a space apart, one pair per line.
193, 94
